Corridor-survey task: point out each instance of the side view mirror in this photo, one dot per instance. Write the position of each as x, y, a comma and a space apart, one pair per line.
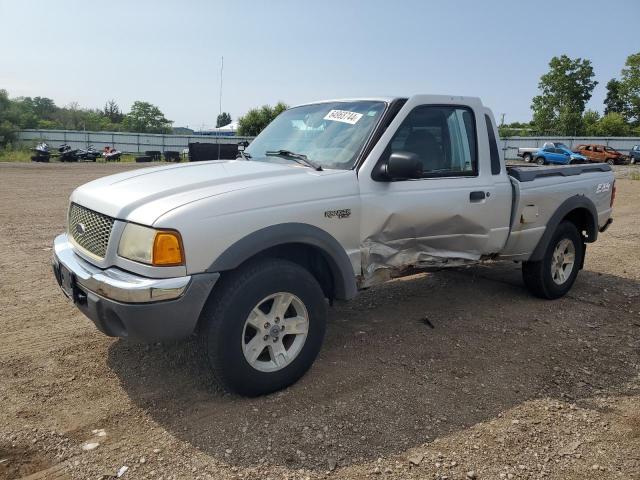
403, 166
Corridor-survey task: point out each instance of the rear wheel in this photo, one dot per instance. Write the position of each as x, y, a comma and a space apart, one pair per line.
264, 326
554, 275
526, 157
611, 161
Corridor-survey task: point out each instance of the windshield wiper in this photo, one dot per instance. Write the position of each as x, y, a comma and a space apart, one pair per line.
245, 156
298, 157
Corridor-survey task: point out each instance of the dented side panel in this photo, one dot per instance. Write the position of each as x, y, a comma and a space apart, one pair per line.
431, 222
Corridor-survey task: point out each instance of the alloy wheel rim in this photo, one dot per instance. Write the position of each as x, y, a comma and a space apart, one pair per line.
562, 261
275, 331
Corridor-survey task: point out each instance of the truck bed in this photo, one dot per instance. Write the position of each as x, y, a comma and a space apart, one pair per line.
539, 191
529, 173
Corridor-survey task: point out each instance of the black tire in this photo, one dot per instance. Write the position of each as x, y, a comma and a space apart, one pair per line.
541, 161
527, 157
225, 313
538, 277
611, 161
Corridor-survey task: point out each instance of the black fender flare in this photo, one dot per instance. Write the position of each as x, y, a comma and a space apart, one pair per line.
283, 233
565, 208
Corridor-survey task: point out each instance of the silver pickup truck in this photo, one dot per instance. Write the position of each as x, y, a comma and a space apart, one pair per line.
332, 197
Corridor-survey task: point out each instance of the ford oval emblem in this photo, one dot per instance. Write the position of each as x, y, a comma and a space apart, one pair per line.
80, 229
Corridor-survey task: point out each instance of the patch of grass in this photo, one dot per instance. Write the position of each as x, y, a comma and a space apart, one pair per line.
15, 155
634, 175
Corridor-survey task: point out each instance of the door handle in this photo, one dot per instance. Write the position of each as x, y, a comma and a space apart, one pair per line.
477, 196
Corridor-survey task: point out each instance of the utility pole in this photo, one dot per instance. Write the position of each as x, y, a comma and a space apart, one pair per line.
220, 105
502, 119
221, 71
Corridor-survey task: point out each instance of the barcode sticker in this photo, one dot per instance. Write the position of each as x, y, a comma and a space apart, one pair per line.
343, 116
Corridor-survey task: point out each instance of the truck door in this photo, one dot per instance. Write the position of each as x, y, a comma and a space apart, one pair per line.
458, 210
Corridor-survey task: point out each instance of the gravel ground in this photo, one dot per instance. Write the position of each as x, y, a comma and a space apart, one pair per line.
496, 384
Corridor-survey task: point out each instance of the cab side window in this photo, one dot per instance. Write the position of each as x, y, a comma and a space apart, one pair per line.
443, 138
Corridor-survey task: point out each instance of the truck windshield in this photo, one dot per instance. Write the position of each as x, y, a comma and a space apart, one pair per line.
329, 134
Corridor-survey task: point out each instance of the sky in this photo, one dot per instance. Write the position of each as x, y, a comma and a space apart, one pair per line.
169, 52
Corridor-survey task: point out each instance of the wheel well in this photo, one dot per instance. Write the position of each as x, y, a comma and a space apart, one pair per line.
307, 256
584, 222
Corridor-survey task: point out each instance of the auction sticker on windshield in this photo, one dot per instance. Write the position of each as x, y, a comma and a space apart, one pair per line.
343, 116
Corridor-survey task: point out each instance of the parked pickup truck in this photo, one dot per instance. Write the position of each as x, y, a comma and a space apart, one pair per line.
331, 198
527, 153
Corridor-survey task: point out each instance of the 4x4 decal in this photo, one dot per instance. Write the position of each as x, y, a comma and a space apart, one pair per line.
343, 213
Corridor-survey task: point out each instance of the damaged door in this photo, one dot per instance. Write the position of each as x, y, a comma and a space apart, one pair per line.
455, 212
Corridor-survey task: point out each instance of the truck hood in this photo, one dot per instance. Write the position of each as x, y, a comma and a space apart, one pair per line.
144, 195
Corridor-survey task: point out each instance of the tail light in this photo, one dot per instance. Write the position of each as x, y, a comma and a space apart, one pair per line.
613, 193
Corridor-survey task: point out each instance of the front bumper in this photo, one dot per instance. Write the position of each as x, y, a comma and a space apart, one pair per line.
122, 304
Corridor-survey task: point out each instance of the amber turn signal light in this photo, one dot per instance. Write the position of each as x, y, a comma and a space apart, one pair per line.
167, 249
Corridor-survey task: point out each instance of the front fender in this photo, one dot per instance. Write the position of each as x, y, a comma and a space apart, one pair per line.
284, 233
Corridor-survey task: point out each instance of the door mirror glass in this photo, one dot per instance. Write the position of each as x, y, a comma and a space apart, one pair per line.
403, 166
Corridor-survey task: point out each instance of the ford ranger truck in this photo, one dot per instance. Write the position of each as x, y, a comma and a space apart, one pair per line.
331, 198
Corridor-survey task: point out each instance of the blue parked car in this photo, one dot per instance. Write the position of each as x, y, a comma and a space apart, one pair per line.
558, 154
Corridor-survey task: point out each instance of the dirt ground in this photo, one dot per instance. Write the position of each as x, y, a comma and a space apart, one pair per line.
496, 384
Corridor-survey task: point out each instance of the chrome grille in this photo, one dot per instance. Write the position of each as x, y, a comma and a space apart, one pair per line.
89, 229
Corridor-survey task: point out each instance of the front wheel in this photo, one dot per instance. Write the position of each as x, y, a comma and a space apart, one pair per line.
264, 326
554, 275
540, 161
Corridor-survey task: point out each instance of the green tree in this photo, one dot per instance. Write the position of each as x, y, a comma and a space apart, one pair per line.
112, 111
146, 118
630, 88
614, 101
256, 119
44, 108
223, 119
612, 125
590, 121
8, 127
564, 91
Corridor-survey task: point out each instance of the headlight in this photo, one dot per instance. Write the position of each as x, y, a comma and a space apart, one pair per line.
151, 246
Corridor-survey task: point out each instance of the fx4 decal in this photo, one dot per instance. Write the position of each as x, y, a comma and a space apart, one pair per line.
603, 187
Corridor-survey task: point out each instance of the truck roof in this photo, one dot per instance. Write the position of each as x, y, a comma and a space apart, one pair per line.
354, 99
388, 99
